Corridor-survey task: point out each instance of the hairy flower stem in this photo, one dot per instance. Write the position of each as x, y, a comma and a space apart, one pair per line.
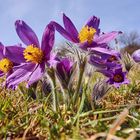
66, 97
80, 107
64, 92
51, 77
54, 93
81, 73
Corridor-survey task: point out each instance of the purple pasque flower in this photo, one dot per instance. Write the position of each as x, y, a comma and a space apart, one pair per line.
64, 70
36, 55
104, 58
136, 55
115, 76
89, 36
10, 56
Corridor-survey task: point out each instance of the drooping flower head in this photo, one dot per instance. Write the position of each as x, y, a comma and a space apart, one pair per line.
89, 36
36, 55
116, 76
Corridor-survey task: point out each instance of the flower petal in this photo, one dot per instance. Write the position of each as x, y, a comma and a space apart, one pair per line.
70, 28
106, 72
85, 46
48, 40
15, 54
1, 50
25, 33
105, 52
21, 73
64, 66
101, 64
106, 38
1, 73
37, 74
136, 55
52, 60
63, 32
94, 23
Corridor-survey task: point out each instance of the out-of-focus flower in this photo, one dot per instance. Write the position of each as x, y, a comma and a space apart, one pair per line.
88, 37
104, 58
36, 55
116, 76
64, 70
136, 55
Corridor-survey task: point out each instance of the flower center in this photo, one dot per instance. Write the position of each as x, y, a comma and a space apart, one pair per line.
112, 58
118, 78
6, 65
33, 54
87, 34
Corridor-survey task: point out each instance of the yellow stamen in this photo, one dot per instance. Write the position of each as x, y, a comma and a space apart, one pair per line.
87, 34
118, 78
33, 54
6, 65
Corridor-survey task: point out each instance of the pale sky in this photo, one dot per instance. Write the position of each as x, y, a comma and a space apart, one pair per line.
121, 15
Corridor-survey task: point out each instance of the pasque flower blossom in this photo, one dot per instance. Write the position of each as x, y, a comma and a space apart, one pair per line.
115, 76
107, 62
36, 55
89, 36
104, 58
10, 56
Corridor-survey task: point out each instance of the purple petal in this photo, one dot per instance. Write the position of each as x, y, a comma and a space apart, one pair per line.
1, 44
106, 38
9, 73
85, 46
105, 52
70, 28
21, 73
67, 63
103, 45
64, 65
63, 32
26, 34
1, 50
48, 40
122, 74
1, 73
100, 63
15, 54
105, 72
37, 74
136, 55
94, 23
52, 60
